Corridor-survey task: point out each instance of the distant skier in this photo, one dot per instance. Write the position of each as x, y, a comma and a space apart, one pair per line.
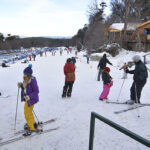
74, 60
107, 83
140, 75
102, 65
124, 67
76, 52
33, 56
69, 71
30, 57
88, 58
29, 94
61, 51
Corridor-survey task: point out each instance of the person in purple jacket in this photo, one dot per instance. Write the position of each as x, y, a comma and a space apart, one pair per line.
29, 94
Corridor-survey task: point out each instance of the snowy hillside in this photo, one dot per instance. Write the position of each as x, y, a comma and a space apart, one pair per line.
73, 114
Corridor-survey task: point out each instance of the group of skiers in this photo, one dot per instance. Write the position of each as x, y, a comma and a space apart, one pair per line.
140, 75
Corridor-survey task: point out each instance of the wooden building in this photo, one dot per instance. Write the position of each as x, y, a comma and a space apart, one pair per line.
136, 33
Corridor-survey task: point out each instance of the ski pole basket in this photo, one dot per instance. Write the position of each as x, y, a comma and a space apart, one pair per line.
117, 127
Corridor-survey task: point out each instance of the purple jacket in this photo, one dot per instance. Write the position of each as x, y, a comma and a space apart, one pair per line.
32, 91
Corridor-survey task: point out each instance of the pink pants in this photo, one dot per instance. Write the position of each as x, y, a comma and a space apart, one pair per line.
106, 89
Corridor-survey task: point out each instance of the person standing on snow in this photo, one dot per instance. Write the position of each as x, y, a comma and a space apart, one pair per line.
107, 80
29, 94
69, 71
124, 67
140, 75
102, 65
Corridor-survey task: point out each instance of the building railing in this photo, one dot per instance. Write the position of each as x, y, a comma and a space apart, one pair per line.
117, 127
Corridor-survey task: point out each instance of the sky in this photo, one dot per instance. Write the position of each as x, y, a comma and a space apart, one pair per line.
43, 17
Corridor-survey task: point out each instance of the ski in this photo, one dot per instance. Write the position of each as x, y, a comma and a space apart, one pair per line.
42, 123
128, 109
113, 102
4, 96
21, 137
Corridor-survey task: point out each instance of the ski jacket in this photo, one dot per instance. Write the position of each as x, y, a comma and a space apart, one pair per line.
103, 62
106, 77
32, 91
140, 72
69, 71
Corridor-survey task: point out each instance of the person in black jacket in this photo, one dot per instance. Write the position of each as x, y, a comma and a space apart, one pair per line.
107, 80
140, 75
102, 65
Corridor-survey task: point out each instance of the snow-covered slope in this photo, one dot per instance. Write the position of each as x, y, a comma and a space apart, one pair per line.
73, 115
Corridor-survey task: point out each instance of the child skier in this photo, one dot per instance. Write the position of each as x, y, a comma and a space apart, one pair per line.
124, 67
69, 71
107, 80
29, 94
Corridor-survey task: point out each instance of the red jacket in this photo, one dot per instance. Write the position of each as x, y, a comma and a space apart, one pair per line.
69, 71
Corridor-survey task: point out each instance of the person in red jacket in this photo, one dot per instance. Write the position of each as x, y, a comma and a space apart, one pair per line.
69, 71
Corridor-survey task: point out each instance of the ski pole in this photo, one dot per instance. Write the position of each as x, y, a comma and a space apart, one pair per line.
16, 109
136, 98
120, 89
36, 117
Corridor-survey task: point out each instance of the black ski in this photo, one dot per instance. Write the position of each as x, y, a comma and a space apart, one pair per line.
21, 137
41, 123
113, 102
128, 109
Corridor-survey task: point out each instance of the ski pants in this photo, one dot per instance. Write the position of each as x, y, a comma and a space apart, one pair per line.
136, 90
99, 74
106, 89
67, 89
29, 116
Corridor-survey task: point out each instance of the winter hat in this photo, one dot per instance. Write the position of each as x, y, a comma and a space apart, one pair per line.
136, 58
107, 69
69, 60
104, 55
28, 71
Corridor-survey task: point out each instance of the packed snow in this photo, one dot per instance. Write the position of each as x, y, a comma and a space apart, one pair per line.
73, 114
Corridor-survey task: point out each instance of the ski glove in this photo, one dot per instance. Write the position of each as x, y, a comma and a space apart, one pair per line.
127, 71
26, 98
20, 84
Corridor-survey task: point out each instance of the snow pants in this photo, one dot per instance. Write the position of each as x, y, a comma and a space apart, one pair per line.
106, 89
29, 116
99, 74
67, 89
136, 90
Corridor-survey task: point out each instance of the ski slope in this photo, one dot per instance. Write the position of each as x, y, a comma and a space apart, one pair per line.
73, 114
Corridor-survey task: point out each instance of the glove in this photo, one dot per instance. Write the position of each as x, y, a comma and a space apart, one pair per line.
127, 70
20, 84
26, 98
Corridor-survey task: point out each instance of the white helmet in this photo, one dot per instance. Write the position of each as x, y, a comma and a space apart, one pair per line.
136, 58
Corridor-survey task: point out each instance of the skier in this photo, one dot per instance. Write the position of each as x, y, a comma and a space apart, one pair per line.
87, 57
140, 75
107, 80
61, 51
76, 52
33, 56
102, 65
69, 71
29, 57
74, 60
29, 94
124, 67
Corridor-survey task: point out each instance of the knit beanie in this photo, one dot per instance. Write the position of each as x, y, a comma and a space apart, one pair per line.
69, 60
28, 71
107, 69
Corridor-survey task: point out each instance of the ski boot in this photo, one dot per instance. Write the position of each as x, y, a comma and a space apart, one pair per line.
68, 94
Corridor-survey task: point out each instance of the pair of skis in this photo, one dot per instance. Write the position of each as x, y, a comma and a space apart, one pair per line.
134, 106
21, 137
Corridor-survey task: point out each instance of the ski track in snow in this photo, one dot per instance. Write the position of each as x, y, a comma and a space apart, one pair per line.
73, 113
